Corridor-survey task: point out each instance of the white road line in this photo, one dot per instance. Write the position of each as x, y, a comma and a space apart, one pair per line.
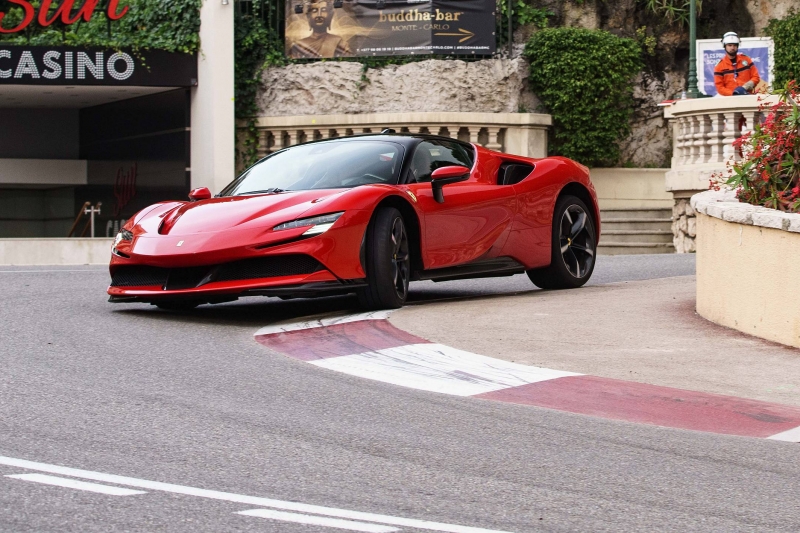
37, 271
241, 498
318, 521
439, 368
792, 435
322, 322
75, 484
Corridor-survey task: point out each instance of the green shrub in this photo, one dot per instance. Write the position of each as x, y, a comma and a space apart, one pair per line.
171, 25
786, 34
585, 79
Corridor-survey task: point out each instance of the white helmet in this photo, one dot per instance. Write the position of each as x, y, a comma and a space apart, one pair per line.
730, 38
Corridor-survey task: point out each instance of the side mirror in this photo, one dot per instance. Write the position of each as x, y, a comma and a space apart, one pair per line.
445, 176
200, 193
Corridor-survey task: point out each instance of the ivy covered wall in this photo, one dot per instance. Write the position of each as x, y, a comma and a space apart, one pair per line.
170, 25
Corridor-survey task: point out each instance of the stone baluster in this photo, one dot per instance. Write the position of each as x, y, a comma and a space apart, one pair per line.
732, 133
494, 143
686, 134
415, 129
474, 131
694, 129
295, 137
716, 141
677, 151
700, 136
263, 143
750, 121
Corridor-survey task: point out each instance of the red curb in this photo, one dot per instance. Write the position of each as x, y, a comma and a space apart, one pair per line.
338, 340
655, 405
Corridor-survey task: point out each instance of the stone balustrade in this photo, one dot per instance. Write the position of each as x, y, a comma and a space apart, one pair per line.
522, 134
704, 130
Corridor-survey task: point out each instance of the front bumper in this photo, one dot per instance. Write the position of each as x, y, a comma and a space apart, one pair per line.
226, 265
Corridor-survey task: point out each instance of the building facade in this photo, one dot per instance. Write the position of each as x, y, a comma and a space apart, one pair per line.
122, 127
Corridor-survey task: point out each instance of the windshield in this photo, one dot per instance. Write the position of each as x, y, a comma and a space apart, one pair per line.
326, 165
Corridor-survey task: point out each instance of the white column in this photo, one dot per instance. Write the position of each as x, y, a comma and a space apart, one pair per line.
212, 120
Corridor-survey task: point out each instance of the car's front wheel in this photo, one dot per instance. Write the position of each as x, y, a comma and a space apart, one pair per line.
388, 261
574, 246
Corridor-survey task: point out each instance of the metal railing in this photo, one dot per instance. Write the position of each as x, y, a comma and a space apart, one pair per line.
88, 210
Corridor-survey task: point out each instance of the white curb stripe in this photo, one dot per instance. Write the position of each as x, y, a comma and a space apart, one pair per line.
439, 368
241, 498
321, 323
75, 484
792, 435
318, 521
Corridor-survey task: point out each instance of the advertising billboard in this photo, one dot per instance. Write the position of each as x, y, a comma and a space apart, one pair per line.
357, 28
710, 51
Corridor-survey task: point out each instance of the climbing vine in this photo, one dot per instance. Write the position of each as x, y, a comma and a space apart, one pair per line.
786, 34
585, 79
170, 25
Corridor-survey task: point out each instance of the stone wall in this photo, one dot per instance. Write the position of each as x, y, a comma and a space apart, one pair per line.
329, 88
684, 226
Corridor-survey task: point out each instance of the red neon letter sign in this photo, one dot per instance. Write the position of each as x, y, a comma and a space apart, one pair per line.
62, 11
27, 8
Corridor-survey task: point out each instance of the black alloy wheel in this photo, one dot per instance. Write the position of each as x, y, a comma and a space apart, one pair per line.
577, 244
388, 261
574, 247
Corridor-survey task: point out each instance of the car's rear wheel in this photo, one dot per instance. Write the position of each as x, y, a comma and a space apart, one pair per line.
574, 247
388, 261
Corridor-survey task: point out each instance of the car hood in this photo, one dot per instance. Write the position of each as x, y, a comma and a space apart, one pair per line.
239, 212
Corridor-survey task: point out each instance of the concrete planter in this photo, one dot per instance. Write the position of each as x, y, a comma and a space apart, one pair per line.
748, 267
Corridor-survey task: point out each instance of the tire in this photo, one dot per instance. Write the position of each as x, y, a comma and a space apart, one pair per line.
387, 261
574, 247
177, 305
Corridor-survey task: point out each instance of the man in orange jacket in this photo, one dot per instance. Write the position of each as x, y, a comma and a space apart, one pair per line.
735, 73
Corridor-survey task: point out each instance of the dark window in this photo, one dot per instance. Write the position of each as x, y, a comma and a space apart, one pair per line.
511, 173
433, 154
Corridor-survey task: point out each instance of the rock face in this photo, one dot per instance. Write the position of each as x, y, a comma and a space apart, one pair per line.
764, 10
497, 86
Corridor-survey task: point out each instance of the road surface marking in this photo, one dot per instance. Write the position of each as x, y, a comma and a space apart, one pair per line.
37, 271
256, 501
318, 521
439, 368
792, 435
323, 322
370, 347
75, 484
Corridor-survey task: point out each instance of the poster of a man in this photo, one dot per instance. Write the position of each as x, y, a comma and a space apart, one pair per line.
321, 43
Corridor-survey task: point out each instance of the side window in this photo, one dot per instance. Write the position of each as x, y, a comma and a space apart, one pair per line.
434, 154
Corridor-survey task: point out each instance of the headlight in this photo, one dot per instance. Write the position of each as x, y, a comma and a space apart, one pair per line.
319, 224
123, 235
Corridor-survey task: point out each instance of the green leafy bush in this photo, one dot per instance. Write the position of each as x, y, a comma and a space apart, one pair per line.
786, 34
171, 25
585, 79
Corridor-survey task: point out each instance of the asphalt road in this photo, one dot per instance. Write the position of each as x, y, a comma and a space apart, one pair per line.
191, 400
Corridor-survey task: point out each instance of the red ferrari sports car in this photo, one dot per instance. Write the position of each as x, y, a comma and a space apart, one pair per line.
364, 214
